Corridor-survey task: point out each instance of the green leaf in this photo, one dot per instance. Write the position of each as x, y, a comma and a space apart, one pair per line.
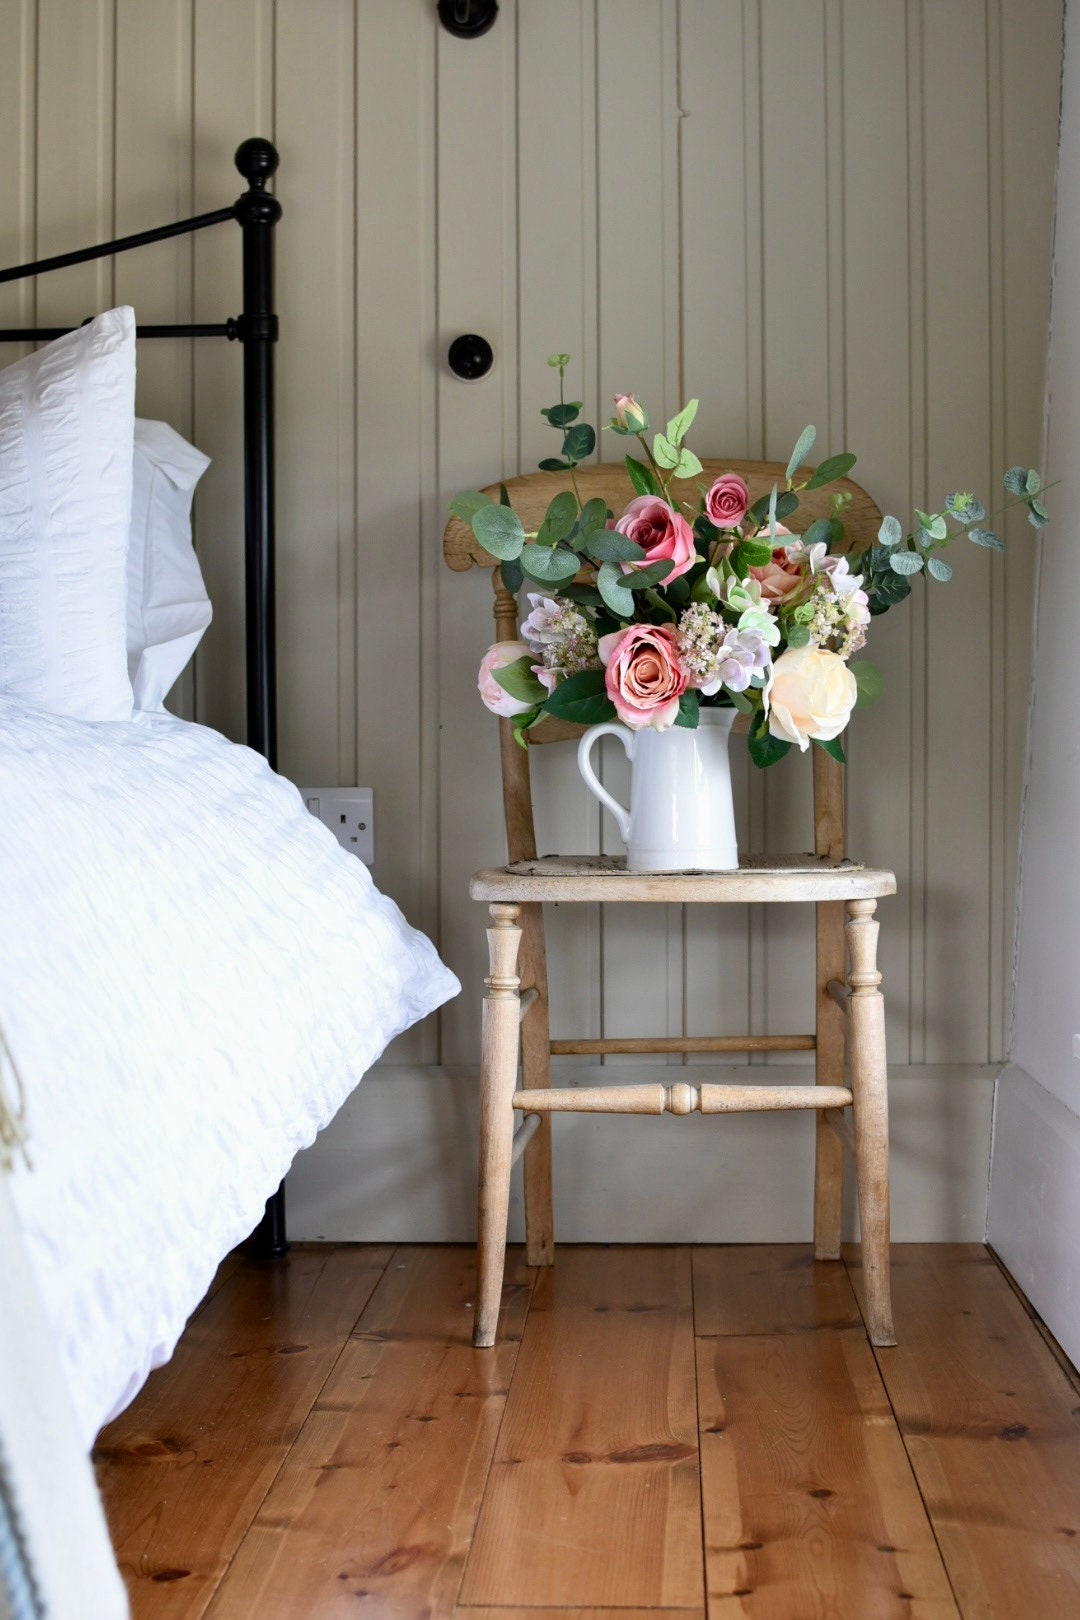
559, 360
587, 595
740, 701
609, 582
581, 699
499, 530
938, 568
905, 562
523, 723
890, 533
755, 553
580, 441
869, 680
798, 635
987, 538
608, 545
640, 579
803, 446
659, 606
680, 425
559, 519
552, 464
689, 705
886, 591
560, 416
828, 471
641, 477
1038, 516
688, 465
665, 452
1033, 482
466, 505
765, 749
678, 592
548, 565
833, 748
819, 531
518, 679
786, 503
594, 515
1015, 480
934, 526
510, 569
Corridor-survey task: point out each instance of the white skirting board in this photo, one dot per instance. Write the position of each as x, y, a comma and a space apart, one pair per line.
1033, 1221
398, 1164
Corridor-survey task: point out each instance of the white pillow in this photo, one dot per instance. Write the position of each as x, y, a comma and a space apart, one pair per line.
67, 417
167, 605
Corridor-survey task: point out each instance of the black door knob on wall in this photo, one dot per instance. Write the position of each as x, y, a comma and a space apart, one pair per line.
470, 357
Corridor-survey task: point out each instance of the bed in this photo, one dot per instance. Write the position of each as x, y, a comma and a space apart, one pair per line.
193, 974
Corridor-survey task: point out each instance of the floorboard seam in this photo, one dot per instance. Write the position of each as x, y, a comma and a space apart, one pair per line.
697, 1416
898, 1426
299, 1428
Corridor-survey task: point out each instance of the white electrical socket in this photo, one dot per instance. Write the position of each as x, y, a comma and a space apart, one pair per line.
349, 812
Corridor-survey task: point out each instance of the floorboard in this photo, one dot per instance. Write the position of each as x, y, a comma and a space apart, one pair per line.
593, 1498
183, 1471
992, 1426
374, 1510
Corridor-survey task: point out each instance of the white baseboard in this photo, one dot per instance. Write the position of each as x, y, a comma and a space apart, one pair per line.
1033, 1219
398, 1164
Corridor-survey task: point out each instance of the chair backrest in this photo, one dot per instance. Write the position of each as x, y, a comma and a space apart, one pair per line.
530, 495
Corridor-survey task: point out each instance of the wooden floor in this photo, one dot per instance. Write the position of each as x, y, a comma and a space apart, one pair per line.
661, 1432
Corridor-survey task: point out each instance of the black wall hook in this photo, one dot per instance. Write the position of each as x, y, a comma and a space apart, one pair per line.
467, 19
470, 356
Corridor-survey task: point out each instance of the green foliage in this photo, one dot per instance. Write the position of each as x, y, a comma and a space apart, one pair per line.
786, 503
609, 582
689, 705
886, 591
820, 530
803, 446
905, 562
833, 748
869, 680
581, 699
890, 533
765, 749
466, 505
499, 530
594, 515
641, 477
938, 568
755, 553
831, 469
680, 425
553, 464
560, 416
1015, 480
559, 519
512, 576
798, 635
1037, 514
608, 545
518, 679
549, 565
987, 539
579, 442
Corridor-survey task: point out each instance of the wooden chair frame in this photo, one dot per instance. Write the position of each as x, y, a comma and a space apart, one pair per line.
849, 1020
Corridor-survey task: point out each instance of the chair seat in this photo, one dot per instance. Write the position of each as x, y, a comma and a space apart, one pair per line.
769, 879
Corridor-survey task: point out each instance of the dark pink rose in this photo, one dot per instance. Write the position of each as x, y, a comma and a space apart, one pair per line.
727, 502
661, 532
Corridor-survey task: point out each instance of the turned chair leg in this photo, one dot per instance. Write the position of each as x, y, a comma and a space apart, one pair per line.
536, 1075
866, 1029
498, 1081
829, 1071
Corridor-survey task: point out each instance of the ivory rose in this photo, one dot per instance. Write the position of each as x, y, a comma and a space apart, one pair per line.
643, 675
661, 532
727, 502
813, 694
497, 657
629, 416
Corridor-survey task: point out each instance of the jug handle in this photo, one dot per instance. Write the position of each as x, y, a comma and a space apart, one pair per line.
609, 729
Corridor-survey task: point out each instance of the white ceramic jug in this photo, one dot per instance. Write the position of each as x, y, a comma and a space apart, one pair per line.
681, 814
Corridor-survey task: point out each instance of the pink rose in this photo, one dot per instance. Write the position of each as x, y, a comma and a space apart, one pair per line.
643, 676
629, 415
661, 532
727, 502
497, 657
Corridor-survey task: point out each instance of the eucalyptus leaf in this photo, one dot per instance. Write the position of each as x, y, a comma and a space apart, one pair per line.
890, 533
828, 471
786, 503
1033, 482
466, 505
905, 562
1038, 516
689, 706
510, 569
549, 565
594, 515
937, 527
518, 679
552, 464
803, 446
560, 416
609, 582
798, 636
680, 425
608, 545
582, 699
640, 579
587, 595
987, 538
938, 568
641, 477
499, 530
870, 682
559, 519
1015, 480
819, 532
833, 748
678, 592
660, 607
580, 441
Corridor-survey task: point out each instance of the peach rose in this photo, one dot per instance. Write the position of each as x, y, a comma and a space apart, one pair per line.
727, 502
643, 676
813, 694
661, 532
497, 657
783, 579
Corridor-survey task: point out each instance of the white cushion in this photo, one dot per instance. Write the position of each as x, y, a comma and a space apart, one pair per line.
67, 416
167, 605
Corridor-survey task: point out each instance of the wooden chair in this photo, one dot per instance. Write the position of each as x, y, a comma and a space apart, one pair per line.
850, 1010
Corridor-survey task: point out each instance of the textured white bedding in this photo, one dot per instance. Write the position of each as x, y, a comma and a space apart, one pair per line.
193, 976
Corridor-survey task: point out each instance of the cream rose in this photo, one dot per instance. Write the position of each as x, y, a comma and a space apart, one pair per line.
813, 694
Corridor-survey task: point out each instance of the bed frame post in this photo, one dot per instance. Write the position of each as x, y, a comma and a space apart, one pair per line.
257, 213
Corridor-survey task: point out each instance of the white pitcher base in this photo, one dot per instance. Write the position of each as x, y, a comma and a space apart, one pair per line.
660, 860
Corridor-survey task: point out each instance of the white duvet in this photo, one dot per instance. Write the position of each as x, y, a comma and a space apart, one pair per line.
193, 976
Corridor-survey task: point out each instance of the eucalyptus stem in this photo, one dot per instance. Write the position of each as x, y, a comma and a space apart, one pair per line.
573, 464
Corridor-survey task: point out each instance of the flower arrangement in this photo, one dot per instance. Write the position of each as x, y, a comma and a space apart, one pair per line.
711, 599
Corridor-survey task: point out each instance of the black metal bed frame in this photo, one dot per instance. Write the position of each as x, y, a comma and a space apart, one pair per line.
256, 329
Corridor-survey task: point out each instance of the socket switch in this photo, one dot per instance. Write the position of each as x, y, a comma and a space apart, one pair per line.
349, 812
